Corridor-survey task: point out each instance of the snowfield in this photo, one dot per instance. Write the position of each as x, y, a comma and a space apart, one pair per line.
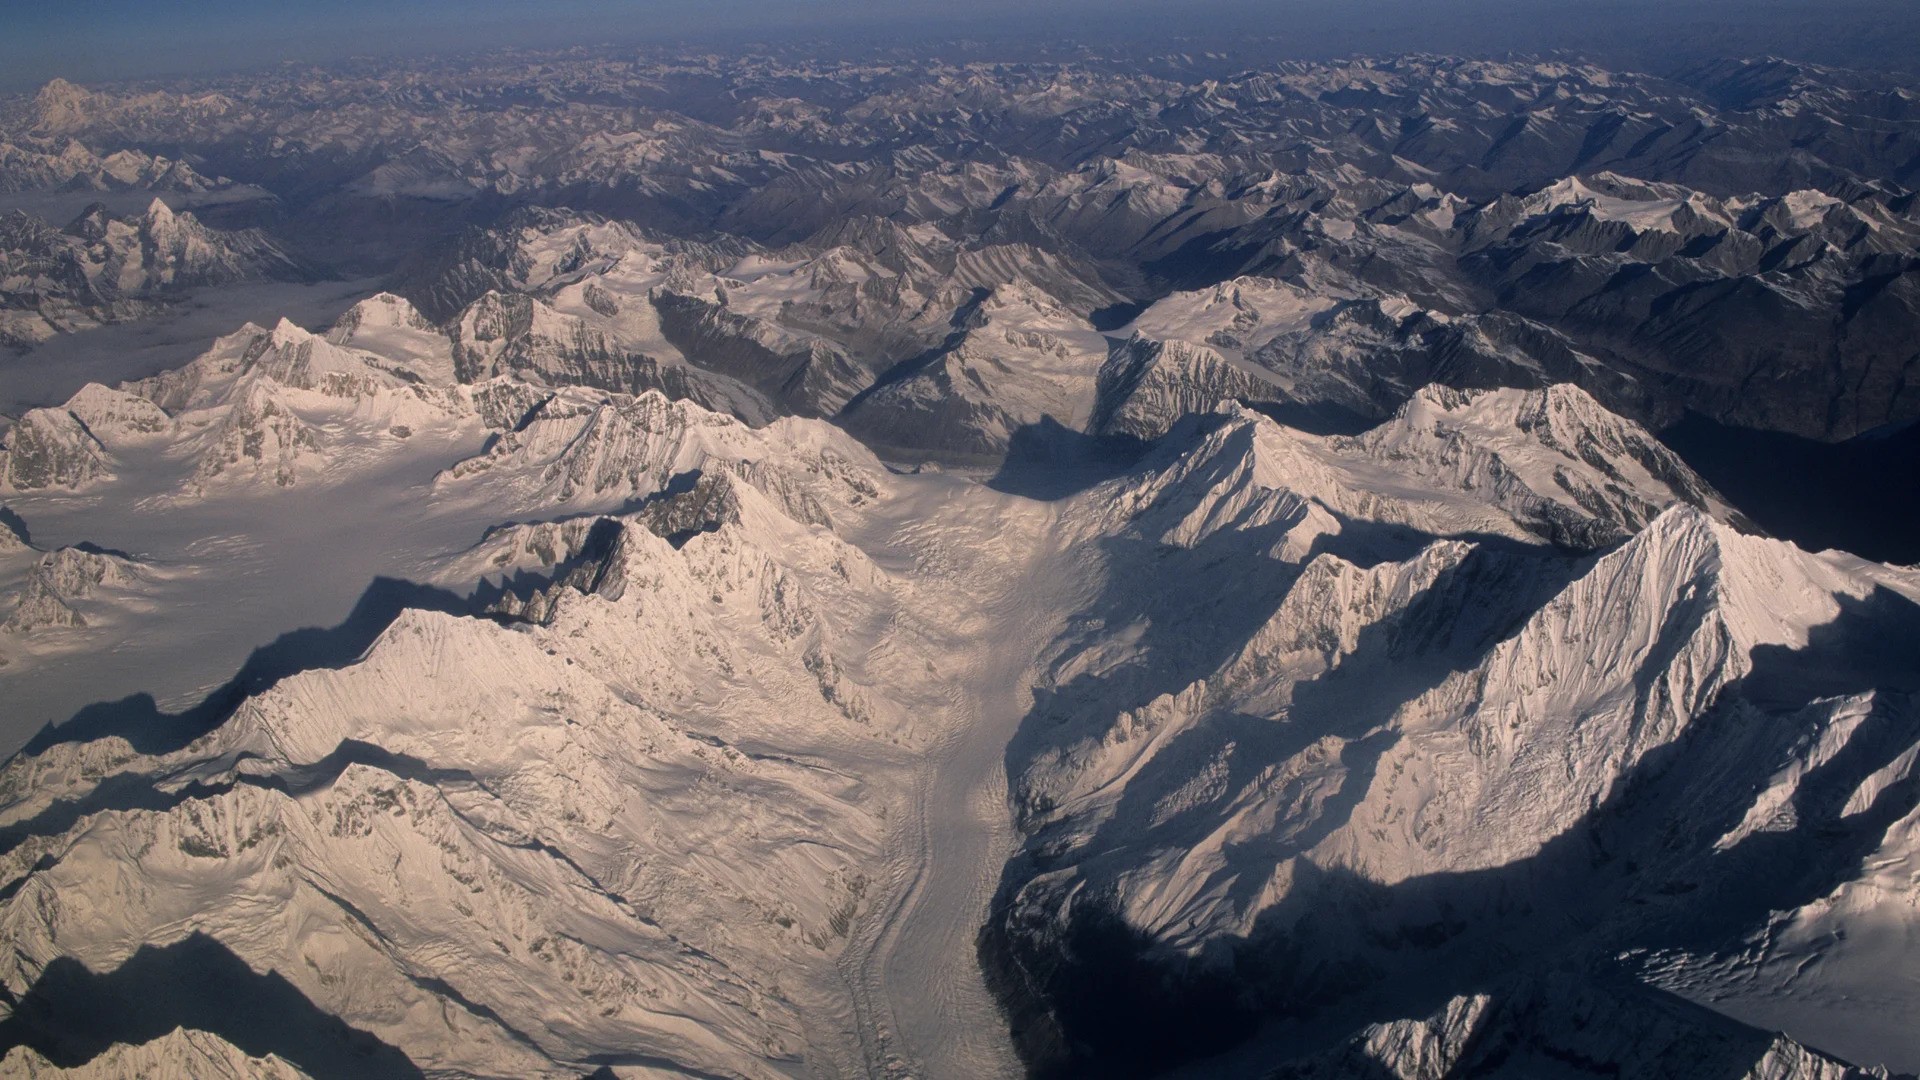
748, 700
773, 566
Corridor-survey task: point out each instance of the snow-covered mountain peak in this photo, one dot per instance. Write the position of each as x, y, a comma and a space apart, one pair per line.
1555, 457
183, 1053
1547, 464
1239, 315
286, 335
604, 449
1766, 591
1572, 700
383, 311
258, 434
114, 416
62, 106
511, 684
158, 217
590, 747
300, 360
52, 448
393, 330
57, 592
335, 366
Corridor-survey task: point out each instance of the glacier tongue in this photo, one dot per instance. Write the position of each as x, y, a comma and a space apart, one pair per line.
1270, 718
702, 729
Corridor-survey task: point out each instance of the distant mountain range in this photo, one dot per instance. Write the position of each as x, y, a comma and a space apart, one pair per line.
1096, 567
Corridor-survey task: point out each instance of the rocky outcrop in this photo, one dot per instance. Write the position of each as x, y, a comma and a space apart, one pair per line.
52, 448
57, 591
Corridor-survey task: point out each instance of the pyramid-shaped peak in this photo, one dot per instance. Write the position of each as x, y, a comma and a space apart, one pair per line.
285, 333
57, 89
383, 309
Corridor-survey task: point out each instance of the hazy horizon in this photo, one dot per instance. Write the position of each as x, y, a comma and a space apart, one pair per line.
113, 40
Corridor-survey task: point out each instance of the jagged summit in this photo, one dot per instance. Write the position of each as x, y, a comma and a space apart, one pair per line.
51, 448
381, 310
1544, 464
1130, 561
182, 1052
105, 268
1554, 456
62, 106
63, 580
592, 697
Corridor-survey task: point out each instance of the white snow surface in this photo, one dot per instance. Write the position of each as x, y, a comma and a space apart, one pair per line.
719, 781
181, 1054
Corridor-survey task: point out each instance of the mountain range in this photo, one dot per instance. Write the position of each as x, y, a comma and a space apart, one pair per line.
926, 565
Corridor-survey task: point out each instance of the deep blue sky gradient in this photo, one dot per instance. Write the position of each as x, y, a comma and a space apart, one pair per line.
102, 40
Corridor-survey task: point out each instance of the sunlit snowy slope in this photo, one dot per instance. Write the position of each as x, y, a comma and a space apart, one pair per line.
767, 565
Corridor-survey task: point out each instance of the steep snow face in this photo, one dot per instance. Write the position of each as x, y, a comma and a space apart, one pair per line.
1544, 734
699, 718
1519, 746
1024, 358
716, 859
389, 327
585, 448
1536, 465
1373, 749
1553, 458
